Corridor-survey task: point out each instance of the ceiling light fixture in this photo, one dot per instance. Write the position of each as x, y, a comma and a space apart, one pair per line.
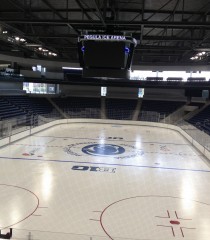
32, 45
200, 56
22, 40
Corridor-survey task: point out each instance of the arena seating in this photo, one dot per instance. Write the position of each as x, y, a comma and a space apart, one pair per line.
31, 105
79, 107
9, 110
154, 78
174, 79
121, 109
164, 108
23, 107
202, 120
82, 107
196, 79
198, 104
16, 106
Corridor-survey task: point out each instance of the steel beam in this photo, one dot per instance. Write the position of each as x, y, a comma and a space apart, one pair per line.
84, 23
58, 14
83, 10
17, 5
89, 10
100, 13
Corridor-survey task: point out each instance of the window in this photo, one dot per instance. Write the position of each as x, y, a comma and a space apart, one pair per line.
39, 88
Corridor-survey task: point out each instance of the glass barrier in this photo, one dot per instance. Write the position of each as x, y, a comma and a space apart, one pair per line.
197, 133
27, 122
23, 123
150, 116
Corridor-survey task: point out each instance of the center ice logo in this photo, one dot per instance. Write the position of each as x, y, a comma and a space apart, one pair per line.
121, 151
103, 149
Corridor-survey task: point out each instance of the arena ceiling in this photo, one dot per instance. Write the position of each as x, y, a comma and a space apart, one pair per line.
168, 31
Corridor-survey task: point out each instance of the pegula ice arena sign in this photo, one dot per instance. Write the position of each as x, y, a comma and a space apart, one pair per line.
104, 37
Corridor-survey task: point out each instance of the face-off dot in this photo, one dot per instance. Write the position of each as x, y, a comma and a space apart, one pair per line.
26, 154
157, 223
174, 222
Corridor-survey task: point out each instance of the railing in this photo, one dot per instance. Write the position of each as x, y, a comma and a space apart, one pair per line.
150, 116
83, 112
119, 114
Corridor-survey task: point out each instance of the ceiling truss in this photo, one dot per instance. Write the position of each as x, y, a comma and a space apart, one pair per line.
168, 32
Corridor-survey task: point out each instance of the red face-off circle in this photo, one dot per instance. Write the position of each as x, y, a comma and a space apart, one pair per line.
135, 218
15, 197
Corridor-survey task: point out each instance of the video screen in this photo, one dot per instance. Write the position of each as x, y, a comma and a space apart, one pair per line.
99, 54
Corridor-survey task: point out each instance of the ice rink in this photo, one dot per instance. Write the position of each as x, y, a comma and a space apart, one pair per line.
103, 181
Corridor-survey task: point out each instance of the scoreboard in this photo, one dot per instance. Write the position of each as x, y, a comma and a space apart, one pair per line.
106, 56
